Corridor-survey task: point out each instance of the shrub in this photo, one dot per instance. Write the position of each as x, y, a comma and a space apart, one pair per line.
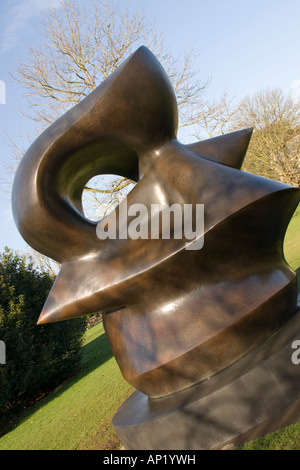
38, 358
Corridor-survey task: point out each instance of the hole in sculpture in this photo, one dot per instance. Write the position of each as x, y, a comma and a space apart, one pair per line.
103, 193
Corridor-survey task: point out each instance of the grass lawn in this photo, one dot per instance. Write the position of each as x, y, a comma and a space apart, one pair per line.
78, 414
292, 244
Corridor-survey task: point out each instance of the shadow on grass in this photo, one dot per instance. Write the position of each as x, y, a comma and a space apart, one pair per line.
94, 354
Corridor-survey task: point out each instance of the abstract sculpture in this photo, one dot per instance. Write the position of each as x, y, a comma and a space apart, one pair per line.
180, 316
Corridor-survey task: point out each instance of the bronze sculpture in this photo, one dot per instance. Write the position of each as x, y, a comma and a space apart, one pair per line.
180, 316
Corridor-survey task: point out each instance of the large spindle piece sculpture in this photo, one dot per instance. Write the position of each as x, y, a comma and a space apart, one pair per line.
181, 317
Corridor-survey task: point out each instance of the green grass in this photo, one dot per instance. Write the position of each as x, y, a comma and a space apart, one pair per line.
292, 244
78, 414
285, 439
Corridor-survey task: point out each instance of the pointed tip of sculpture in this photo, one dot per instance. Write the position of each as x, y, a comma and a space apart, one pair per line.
143, 48
41, 320
54, 311
229, 149
51, 312
245, 133
55, 315
144, 51
45, 317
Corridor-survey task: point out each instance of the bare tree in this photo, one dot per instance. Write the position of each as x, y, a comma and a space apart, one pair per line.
42, 262
274, 150
81, 46
217, 117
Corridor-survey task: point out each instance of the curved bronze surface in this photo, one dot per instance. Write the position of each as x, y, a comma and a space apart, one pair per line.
179, 316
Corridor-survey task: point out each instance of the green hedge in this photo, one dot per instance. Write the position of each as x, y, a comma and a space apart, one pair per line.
38, 358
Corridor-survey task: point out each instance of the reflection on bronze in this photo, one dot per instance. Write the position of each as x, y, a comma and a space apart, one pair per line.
178, 316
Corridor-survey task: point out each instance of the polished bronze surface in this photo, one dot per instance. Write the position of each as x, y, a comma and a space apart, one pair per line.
256, 395
179, 315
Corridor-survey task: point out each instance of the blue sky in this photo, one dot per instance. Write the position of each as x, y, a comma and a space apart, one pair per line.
242, 46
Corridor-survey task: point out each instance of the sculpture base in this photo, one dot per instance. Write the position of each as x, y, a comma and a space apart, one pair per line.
255, 396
